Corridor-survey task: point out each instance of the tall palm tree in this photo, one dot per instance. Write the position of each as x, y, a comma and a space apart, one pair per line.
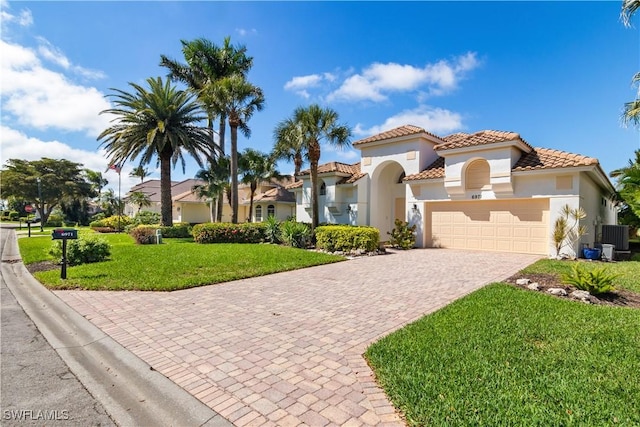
216, 179
255, 167
317, 125
631, 112
161, 123
206, 64
140, 172
289, 144
238, 99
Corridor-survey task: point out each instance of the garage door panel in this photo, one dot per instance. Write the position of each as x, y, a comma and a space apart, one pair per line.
493, 225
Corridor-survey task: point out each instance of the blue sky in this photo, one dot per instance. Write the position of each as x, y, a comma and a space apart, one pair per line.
558, 73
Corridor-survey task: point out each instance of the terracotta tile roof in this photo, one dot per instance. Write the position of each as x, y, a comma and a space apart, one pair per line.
545, 158
434, 170
335, 167
483, 137
354, 178
297, 184
278, 194
394, 133
538, 158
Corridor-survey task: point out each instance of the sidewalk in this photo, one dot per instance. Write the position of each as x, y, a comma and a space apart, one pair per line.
59, 369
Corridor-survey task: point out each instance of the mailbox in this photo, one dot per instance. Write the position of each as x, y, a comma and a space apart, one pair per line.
64, 233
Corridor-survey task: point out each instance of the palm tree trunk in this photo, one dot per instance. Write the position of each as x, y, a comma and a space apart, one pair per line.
234, 171
314, 158
212, 209
221, 142
297, 162
166, 209
253, 192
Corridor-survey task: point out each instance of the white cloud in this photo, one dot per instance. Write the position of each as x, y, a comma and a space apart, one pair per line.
17, 145
24, 18
301, 84
44, 99
435, 120
244, 31
378, 80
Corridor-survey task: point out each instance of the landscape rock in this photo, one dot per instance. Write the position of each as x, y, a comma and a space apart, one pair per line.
522, 282
533, 286
583, 296
557, 291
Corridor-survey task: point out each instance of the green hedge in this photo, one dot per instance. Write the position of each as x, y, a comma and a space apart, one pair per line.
347, 238
220, 232
112, 222
180, 229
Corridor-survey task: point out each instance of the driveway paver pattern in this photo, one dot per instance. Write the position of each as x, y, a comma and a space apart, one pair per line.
286, 349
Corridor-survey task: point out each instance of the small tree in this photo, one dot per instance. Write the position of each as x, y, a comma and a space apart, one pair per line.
567, 229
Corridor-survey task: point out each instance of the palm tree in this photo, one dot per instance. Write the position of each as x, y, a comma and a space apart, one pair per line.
238, 99
206, 64
216, 182
317, 124
289, 144
139, 199
255, 167
160, 122
631, 112
98, 182
140, 172
629, 183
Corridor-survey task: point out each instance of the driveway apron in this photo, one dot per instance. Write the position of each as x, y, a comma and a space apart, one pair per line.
286, 349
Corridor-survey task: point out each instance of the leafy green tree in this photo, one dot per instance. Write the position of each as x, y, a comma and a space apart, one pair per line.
216, 180
48, 182
317, 125
255, 167
289, 144
139, 199
139, 172
238, 99
161, 123
98, 182
110, 203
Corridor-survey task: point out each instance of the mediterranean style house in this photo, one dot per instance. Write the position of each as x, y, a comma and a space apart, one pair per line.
488, 190
271, 198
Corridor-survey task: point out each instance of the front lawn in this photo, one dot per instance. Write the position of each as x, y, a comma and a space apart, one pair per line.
504, 356
175, 264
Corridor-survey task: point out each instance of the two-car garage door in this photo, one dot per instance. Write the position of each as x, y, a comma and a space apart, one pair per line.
491, 225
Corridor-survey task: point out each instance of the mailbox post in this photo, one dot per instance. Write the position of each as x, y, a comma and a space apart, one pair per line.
64, 234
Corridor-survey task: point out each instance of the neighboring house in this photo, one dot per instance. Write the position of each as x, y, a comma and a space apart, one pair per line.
489, 190
270, 198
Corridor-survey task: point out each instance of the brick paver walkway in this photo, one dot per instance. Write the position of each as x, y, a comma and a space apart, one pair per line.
286, 349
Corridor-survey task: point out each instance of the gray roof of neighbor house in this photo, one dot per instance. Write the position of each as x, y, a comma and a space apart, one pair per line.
278, 194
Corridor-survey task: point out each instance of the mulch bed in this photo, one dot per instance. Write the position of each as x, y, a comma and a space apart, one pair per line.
620, 298
42, 266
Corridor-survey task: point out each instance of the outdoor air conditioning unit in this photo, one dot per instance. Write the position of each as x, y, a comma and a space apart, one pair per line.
617, 235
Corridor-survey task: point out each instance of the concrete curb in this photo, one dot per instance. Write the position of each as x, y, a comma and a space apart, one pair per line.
131, 392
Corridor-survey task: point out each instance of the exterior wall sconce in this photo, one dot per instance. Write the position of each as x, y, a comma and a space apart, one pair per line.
414, 208
348, 208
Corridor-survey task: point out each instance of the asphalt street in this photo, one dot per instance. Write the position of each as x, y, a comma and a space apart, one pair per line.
37, 387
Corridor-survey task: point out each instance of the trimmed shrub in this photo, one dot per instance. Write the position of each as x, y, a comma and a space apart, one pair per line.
180, 229
219, 232
84, 250
146, 217
13, 216
347, 238
403, 236
295, 234
54, 220
112, 222
144, 234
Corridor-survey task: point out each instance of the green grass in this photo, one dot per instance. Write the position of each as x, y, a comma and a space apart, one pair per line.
504, 356
628, 271
176, 264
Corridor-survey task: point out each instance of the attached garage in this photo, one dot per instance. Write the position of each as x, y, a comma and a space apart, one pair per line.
492, 225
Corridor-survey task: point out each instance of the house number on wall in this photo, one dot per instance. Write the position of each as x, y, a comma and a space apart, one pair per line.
476, 196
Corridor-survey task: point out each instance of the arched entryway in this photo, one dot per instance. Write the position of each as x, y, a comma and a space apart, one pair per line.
388, 197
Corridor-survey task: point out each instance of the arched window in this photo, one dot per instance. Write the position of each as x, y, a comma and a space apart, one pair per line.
477, 175
271, 210
258, 213
323, 189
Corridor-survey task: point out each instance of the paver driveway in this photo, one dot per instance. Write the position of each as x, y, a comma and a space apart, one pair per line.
286, 349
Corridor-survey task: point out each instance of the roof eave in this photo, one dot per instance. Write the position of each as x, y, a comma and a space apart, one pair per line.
517, 143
